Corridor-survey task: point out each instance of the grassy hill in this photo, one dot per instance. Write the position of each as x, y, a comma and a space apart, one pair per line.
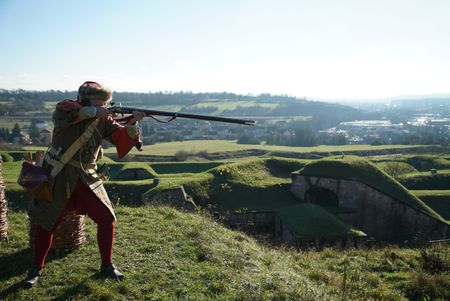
426, 180
308, 221
426, 162
438, 200
171, 255
167, 255
362, 170
254, 184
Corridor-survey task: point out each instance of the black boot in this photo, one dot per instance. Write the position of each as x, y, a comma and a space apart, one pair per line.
110, 271
32, 277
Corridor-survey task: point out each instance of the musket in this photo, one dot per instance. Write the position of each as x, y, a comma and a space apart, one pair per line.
173, 115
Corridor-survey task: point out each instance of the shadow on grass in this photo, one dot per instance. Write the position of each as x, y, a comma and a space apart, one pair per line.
19, 263
82, 287
17, 199
15, 264
73, 291
68, 294
12, 289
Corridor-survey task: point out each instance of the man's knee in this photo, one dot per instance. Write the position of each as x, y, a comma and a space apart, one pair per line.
102, 216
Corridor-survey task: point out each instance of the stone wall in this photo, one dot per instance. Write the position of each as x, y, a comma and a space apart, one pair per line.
375, 213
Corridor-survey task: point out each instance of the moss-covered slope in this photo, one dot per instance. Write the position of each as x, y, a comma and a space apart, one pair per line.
254, 185
311, 221
438, 200
361, 170
165, 255
171, 255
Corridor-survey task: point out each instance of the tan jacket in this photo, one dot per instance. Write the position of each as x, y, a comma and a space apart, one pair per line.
67, 129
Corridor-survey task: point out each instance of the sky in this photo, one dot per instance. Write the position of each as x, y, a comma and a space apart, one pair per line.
347, 49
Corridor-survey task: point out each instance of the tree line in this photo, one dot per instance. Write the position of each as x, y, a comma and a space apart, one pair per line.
8, 135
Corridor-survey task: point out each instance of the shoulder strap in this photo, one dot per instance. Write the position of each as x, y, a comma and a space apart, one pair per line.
71, 151
76, 145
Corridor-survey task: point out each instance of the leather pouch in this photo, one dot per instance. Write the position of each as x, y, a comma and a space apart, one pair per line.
37, 181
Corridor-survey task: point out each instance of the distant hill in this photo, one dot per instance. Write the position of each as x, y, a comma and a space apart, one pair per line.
22, 102
422, 103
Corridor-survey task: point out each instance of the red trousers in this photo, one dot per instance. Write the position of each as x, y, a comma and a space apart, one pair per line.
84, 201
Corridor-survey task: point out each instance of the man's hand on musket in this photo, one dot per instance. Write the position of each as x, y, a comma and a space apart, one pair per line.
137, 116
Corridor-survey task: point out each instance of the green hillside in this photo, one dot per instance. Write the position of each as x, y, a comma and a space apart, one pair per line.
255, 184
166, 255
426, 162
259, 185
362, 170
310, 221
438, 200
426, 180
219, 146
130, 170
171, 255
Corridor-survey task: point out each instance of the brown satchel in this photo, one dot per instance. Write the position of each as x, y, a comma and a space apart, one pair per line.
43, 191
38, 180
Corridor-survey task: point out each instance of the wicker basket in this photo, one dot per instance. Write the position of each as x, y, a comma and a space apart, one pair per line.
69, 234
3, 206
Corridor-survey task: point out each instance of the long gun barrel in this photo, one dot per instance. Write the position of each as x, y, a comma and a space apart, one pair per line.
151, 113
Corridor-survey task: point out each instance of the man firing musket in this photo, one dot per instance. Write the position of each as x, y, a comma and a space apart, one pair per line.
79, 129
71, 174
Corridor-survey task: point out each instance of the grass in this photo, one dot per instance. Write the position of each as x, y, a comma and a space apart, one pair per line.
11, 171
427, 162
218, 146
438, 200
426, 173
396, 168
246, 185
359, 169
421, 178
171, 255
426, 180
254, 184
16, 155
257, 185
34, 148
167, 255
251, 184
183, 167
309, 221
196, 185
120, 171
